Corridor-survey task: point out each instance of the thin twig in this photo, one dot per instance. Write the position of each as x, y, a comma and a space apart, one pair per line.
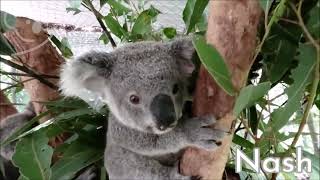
2, 82
28, 71
99, 16
14, 85
24, 74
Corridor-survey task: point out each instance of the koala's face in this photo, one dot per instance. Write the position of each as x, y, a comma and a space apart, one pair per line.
143, 83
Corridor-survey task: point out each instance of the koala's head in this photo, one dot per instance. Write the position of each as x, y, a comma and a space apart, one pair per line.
142, 83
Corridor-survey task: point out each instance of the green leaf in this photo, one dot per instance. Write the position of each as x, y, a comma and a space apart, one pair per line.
33, 156
313, 22
142, 24
315, 159
63, 46
75, 3
113, 25
103, 2
214, 63
265, 4
104, 39
279, 50
118, 7
77, 156
75, 10
301, 76
5, 47
242, 142
192, 13
7, 21
170, 32
249, 95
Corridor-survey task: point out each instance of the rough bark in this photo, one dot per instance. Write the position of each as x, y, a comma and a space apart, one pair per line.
6, 108
36, 52
232, 29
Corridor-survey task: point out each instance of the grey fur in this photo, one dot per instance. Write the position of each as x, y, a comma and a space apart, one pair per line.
12, 123
136, 147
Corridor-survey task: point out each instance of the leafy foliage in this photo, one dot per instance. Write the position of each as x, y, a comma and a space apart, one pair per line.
285, 58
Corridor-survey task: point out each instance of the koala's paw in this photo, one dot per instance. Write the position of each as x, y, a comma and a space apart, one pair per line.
199, 133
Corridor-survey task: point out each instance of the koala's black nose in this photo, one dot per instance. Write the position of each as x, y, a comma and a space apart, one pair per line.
162, 109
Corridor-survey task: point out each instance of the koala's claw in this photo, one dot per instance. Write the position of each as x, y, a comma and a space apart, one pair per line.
201, 135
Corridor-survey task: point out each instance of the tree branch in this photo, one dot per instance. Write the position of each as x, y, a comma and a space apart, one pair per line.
24, 74
28, 71
99, 16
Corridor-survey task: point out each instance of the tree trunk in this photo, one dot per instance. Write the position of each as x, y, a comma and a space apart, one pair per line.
6, 108
232, 29
36, 52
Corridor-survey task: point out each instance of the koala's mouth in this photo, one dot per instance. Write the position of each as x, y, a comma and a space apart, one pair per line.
163, 111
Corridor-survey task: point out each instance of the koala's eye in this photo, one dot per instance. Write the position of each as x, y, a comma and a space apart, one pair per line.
175, 88
134, 99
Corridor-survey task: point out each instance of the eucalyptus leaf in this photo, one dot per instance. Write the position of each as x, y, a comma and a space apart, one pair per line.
249, 95
242, 142
315, 159
5, 46
7, 21
214, 63
118, 7
104, 39
301, 76
75, 4
63, 46
33, 156
313, 22
142, 24
170, 32
265, 4
76, 157
113, 25
192, 13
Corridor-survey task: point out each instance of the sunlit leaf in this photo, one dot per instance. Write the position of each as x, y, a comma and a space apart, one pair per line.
170, 32
118, 7
63, 46
192, 13
75, 3
104, 39
214, 63
113, 25
142, 24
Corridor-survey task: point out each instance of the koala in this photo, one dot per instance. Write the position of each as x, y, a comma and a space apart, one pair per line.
144, 85
8, 126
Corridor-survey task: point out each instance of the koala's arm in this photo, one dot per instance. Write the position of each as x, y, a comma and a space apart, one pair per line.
12, 123
189, 132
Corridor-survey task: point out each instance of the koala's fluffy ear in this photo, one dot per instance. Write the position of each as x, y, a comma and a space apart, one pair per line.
183, 50
88, 72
